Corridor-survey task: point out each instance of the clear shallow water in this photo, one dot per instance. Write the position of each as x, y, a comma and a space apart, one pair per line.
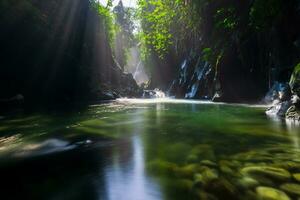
148, 149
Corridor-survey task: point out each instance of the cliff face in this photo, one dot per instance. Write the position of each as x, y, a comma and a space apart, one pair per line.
57, 51
245, 58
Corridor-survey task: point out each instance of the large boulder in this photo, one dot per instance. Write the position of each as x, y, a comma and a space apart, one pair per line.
285, 98
279, 91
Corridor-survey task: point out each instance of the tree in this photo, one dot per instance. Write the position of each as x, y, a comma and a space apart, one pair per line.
124, 36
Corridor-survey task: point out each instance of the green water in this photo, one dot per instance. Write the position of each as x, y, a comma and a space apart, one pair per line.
147, 149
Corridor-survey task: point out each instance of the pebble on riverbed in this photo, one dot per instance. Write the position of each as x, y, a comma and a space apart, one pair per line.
268, 193
266, 171
297, 177
270, 173
291, 188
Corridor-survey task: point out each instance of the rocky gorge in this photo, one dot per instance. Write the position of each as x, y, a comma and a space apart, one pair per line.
285, 98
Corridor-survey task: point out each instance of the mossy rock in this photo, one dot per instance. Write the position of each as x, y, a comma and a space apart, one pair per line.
222, 188
295, 80
187, 171
202, 152
177, 152
291, 188
162, 167
288, 165
208, 163
297, 177
268, 193
248, 182
205, 195
232, 163
206, 176
210, 174
273, 173
226, 170
184, 184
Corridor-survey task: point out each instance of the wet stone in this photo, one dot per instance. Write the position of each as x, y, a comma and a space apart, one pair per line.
268, 193
297, 177
248, 182
291, 188
208, 163
278, 174
185, 184
229, 164
209, 175
198, 179
202, 152
290, 166
222, 188
206, 196
193, 158
226, 170
188, 170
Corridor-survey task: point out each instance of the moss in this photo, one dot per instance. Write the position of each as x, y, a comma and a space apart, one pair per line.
295, 79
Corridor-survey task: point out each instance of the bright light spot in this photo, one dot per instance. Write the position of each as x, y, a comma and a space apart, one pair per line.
126, 3
181, 101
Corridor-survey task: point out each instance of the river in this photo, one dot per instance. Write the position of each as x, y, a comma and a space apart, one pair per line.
148, 149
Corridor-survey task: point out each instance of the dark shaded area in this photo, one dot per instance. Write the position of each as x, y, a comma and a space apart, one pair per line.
62, 175
57, 52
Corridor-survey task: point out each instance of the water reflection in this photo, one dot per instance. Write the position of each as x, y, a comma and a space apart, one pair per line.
137, 150
125, 177
130, 183
293, 132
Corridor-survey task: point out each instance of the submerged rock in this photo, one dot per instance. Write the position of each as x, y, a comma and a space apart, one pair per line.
210, 174
291, 188
268, 193
288, 165
206, 176
208, 163
297, 177
206, 196
188, 171
223, 189
225, 169
202, 152
162, 167
278, 174
248, 182
184, 184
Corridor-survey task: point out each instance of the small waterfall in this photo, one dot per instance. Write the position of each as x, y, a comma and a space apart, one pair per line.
135, 66
153, 94
193, 91
199, 77
137, 70
183, 73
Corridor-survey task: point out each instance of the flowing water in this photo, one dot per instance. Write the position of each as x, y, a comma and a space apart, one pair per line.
149, 149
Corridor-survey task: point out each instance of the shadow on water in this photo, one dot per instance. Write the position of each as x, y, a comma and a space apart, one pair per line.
139, 151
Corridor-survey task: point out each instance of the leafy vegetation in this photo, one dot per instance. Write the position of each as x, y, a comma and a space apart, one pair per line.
164, 23
108, 19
